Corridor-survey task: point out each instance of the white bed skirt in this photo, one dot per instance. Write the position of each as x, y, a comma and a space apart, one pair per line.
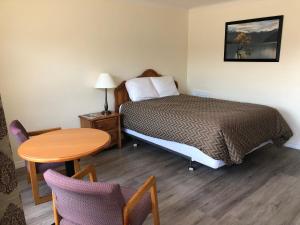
191, 152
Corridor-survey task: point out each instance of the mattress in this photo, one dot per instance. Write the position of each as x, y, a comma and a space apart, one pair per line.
223, 130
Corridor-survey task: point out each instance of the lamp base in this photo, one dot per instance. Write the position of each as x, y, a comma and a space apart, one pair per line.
106, 113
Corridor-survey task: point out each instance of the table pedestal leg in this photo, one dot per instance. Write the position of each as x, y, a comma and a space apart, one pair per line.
70, 171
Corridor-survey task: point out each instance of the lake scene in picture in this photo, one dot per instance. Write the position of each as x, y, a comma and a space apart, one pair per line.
257, 40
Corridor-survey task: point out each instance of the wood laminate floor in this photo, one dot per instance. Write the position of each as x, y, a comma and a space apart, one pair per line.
264, 190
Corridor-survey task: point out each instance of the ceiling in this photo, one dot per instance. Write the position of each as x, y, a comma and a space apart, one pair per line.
185, 3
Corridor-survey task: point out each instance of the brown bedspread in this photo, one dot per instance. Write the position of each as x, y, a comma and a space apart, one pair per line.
224, 130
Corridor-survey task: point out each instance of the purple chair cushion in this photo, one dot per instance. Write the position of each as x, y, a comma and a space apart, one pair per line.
17, 129
42, 167
21, 135
66, 222
141, 210
84, 203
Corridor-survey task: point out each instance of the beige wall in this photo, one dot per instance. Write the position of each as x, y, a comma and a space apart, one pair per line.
274, 84
51, 52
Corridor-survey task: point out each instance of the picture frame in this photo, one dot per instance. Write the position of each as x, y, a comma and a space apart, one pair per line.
253, 40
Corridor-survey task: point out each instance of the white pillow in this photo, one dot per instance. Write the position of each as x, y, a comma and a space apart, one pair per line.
141, 89
165, 86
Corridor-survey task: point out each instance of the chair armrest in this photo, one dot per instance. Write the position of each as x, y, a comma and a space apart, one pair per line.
38, 132
150, 184
87, 171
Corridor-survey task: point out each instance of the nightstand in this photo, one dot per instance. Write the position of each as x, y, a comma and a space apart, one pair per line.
109, 123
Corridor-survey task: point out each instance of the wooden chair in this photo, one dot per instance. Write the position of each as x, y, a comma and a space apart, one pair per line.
35, 170
82, 202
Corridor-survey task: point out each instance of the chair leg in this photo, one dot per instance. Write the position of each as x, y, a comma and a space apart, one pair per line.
76, 166
55, 213
155, 211
34, 186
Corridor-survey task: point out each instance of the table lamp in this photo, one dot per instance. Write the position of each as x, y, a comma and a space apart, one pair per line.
105, 81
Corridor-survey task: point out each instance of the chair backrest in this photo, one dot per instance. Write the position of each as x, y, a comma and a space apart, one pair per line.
20, 133
86, 203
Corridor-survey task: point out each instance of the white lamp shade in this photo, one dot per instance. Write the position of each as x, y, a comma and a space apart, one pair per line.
105, 81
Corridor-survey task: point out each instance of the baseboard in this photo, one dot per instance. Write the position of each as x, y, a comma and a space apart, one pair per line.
294, 146
19, 164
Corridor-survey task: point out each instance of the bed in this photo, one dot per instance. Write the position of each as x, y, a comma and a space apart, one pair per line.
209, 131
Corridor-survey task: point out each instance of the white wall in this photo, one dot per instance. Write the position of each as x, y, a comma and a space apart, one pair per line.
51, 52
274, 84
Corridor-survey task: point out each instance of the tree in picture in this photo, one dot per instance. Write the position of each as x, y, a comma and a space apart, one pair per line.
243, 41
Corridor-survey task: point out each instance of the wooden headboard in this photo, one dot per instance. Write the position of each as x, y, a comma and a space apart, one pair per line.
121, 94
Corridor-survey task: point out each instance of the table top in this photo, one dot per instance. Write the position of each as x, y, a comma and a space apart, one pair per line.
64, 145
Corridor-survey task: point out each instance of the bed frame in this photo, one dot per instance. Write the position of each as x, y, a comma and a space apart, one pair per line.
121, 94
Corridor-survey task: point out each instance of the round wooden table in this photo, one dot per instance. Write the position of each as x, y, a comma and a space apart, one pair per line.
67, 145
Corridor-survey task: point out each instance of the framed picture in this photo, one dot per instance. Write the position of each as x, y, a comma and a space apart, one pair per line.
255, 40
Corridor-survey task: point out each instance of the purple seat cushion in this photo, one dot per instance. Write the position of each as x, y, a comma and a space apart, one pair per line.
141, 210
67, 222
42, 167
